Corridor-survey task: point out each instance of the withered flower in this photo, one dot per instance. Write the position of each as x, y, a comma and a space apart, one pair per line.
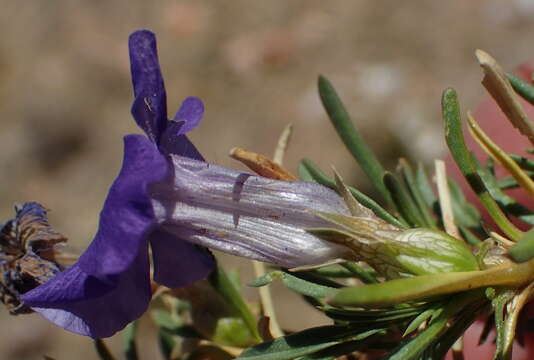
28, 254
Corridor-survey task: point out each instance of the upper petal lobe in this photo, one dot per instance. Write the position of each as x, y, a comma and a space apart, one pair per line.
149, 108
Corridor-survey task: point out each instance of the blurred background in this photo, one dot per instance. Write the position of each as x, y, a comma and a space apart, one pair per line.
65, 96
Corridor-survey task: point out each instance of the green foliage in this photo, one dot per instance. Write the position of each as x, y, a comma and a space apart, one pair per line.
350, 136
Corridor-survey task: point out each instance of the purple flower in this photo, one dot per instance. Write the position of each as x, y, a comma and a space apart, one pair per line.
109, 286
247, 215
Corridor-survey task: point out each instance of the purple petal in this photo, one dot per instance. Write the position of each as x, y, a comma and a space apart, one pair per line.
174, 143
178, 263
150, 105
127, 215
190, 113
173, 140
85, 305
247, 215
109, 285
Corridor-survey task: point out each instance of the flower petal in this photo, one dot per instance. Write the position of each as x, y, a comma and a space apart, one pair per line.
150, 105
127, 214
178, 263
109, 285
190, 113
247, 215
85, 305
173, 142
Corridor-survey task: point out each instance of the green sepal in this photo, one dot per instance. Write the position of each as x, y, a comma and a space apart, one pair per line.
318, 176
433, 252
417, 251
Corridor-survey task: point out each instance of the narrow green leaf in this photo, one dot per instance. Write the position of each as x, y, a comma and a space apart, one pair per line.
299, 344
403, 201
372, 318
499, 304
102, 350
130, 346
345, 348
456, 329
312, 277
463, 158
220, 282
465, 214
508, 182
524, 249
296, 284
351, 138
421, 318
469, 236
417, 194
365, 276
304, 173
415, 347
509, 204
319, 177
521, 87
423, 184
490, 165
523, 162
334, 272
